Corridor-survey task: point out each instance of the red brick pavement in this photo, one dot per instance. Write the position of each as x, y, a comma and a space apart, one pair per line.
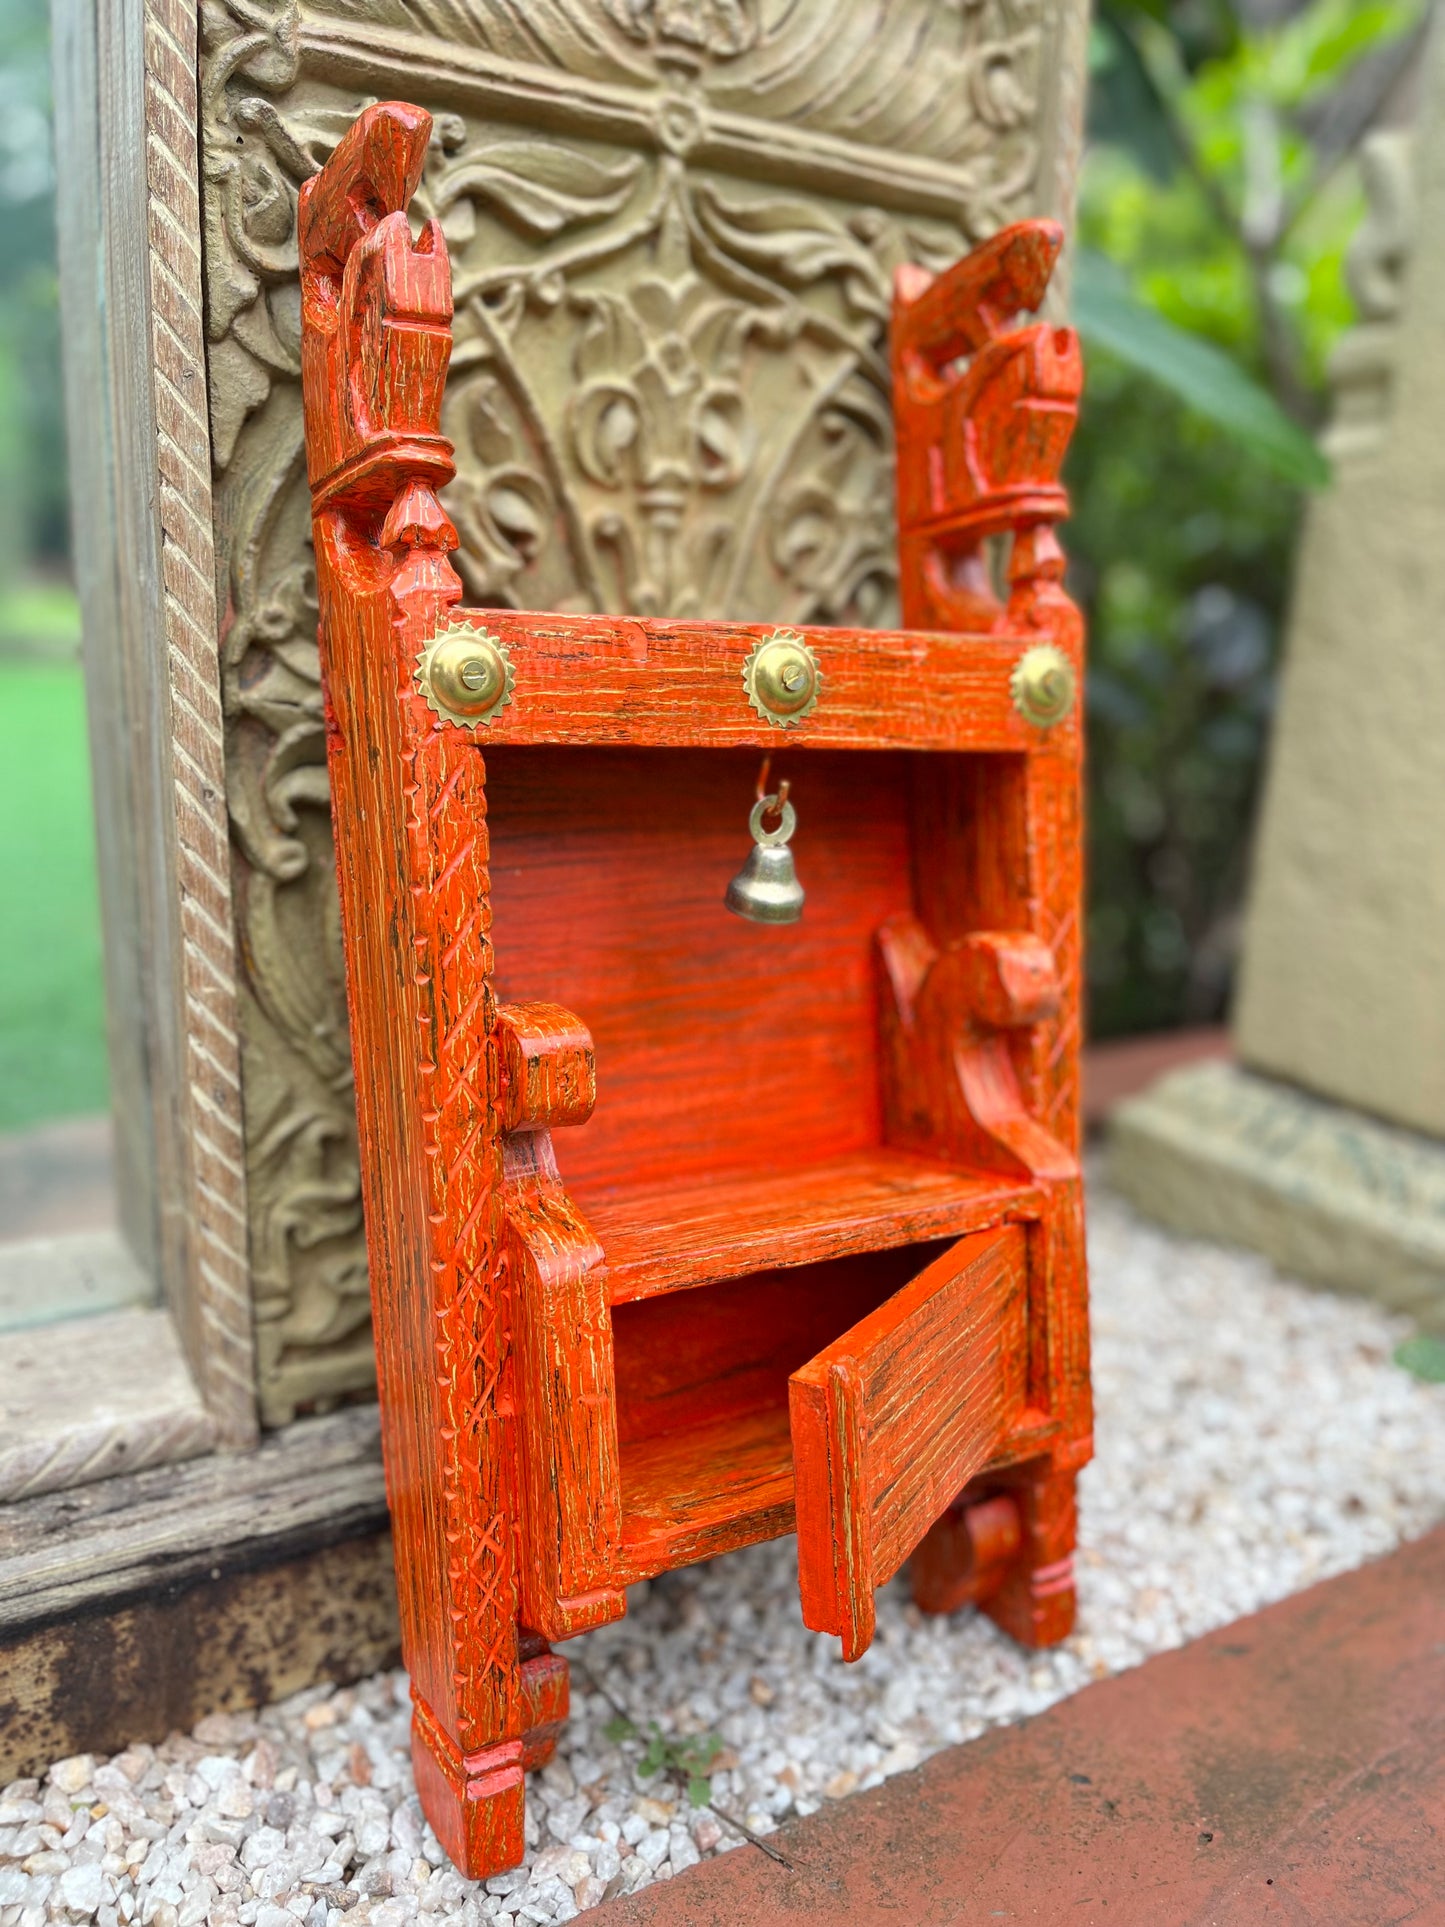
1288, 1769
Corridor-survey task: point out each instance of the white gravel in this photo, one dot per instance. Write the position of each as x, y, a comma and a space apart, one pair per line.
1254, 1436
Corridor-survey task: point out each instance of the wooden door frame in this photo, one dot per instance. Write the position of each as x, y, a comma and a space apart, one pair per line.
135, 379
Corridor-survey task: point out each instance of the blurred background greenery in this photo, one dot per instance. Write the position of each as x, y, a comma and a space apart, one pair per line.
52, 1025
1219, 193
1220, 190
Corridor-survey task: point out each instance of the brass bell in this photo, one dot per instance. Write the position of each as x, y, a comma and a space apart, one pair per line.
766, 889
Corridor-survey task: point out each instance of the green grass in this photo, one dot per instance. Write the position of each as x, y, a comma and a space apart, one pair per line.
52, 1016
1424, 1355
39, 618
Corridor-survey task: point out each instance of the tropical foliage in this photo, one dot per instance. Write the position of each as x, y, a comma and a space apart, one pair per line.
1219, 196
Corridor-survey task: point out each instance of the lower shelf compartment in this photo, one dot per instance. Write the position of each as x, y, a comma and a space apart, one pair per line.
691, 1494
702, 1380
667, 1240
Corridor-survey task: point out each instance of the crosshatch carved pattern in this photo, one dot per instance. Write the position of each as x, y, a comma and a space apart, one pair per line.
673, 226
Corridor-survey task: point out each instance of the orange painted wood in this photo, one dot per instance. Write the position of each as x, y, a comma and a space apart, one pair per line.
702, 1400
894, 1418
694, 1494
547, 1068
967, 1554
567, 1450
608, 869
546, 1692
682, 1229
685, 1358
656, 683
666, 1239
983, 412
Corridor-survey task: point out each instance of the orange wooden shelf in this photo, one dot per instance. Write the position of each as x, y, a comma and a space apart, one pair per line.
705, 1489
663, 683
858, 1130
669, 1239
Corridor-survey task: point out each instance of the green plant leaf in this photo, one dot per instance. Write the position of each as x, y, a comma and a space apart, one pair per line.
699, 1790
1423, 1355
1124, 104
695, 1756
1203, 376
619, 1727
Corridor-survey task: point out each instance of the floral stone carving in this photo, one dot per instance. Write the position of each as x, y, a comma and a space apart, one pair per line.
696, 210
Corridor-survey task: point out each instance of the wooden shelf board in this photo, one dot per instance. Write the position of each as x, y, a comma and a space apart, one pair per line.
694, 1493
667, 1240
664, 682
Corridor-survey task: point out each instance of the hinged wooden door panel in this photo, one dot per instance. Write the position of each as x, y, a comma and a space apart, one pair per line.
894, 1418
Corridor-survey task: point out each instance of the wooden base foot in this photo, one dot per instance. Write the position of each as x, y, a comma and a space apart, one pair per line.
546, 1693
1036, 1603
1009, 1553
965, 1556
475, 1801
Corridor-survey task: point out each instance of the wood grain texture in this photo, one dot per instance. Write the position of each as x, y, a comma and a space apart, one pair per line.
102, 1395
664, 1239
608, 870
135, 1604
416, 919
547, 1073
212, 1298
895, 1417
664, 1208
646, 682
83, 1550
140, 1669
566, 1385
140, 455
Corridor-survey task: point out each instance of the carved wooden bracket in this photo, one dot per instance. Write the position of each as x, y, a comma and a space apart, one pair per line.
951, 1086
971, 1556
966, 1555
547, 1078
548, 1070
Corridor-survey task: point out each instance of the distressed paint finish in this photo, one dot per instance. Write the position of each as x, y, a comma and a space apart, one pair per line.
683, 1232
892, 1420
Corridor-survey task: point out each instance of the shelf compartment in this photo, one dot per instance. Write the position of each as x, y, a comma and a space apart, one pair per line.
705, 1451
661, 1240
706, 1489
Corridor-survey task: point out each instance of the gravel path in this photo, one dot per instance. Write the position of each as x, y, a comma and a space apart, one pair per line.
1253, 1437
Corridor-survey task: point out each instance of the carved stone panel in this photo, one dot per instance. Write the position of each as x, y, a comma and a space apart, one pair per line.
673, 225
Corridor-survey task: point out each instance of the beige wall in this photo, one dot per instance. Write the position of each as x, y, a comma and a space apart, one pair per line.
1343, 984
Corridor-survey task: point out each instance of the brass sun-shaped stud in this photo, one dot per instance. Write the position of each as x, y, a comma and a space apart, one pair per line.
465, 675
1043, 685
782, 679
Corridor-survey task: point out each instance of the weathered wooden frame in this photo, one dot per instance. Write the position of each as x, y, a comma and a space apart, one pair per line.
129, 221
